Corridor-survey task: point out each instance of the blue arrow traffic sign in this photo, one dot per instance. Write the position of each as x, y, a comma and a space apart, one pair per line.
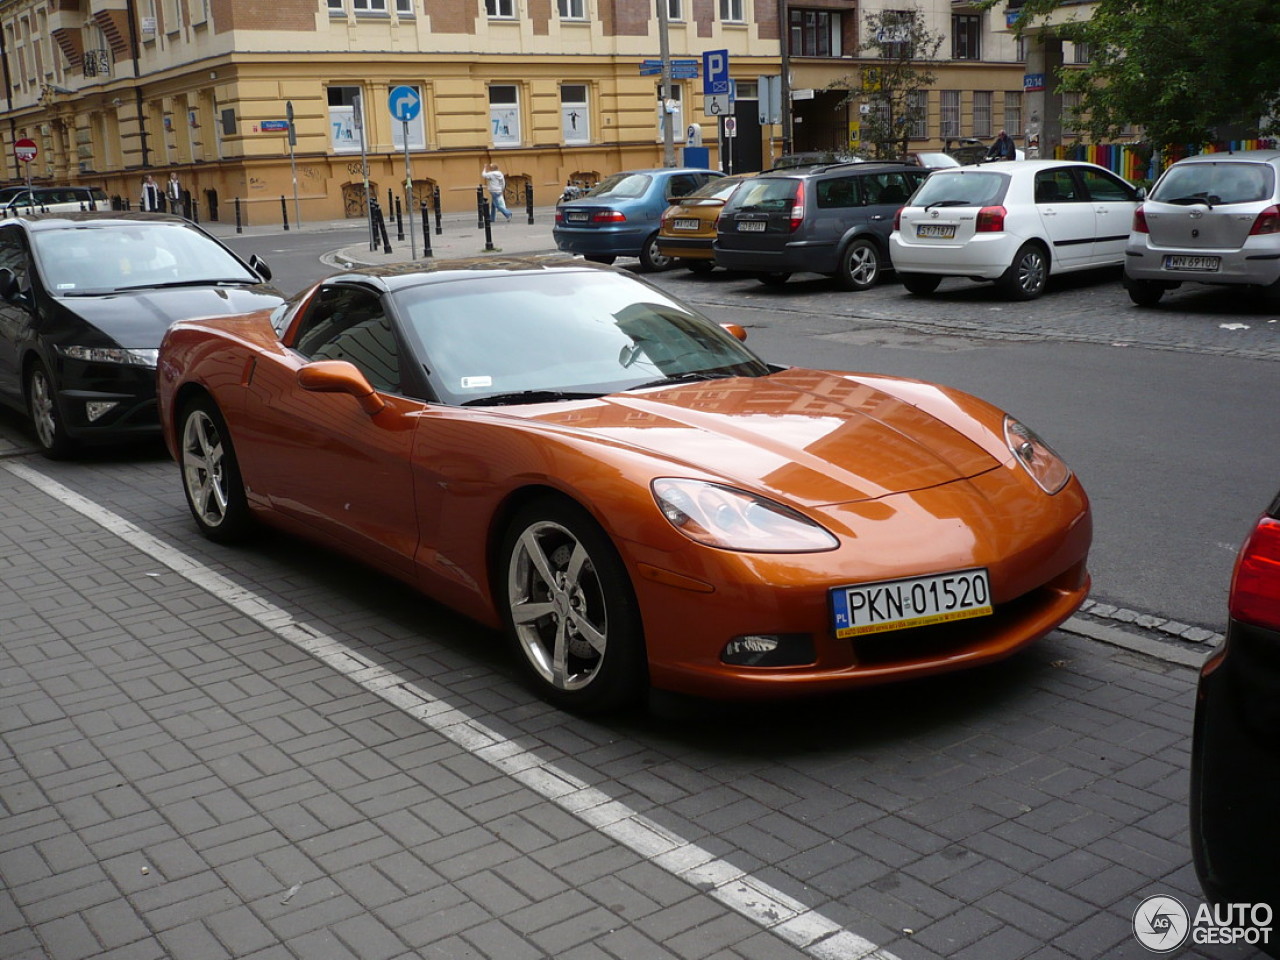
404, 103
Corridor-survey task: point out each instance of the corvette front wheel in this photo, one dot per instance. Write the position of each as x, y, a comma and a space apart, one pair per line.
570, 610
210, 473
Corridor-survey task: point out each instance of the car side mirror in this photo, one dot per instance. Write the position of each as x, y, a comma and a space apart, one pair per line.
9, 289
260, 267
340, 376
1142, 193
737, 329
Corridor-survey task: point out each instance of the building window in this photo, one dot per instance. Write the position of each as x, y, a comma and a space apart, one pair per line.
344, 119
369, 6
1082, 52
572, 9
1013, 112
676, 111
504, 115
417, 126
336, 9
731, 11
814, 33
575, 121
1020, 52
982, 113
1070, 114
950, 109
918, 105
499, 9
675, 9
895, 34
966, 37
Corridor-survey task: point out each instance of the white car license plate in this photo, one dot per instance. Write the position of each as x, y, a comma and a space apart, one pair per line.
578, 217
1206, 264
685, 224
751, 226
936, 231
910, 602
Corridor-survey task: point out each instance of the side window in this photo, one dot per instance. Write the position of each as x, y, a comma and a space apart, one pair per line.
1103, 186
13, 255
1056, 186
891, 188
347, 323
838, 192
681, 185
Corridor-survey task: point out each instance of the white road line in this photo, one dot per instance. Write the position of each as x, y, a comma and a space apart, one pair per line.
760, 903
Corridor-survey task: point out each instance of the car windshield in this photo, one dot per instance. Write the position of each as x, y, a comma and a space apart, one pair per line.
107, 256
529, 336
715, 189
1214, 183
961, 188
622, 186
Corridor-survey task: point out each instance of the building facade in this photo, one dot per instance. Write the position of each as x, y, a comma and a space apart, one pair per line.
550, 90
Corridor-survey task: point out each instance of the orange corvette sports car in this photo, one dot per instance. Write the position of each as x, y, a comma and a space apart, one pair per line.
562, 450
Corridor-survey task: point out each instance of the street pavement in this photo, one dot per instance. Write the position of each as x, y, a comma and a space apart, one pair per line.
268, 753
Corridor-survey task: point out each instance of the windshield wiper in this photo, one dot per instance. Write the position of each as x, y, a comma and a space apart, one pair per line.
529, 396
1187, 201
949, 203
691, 377
211, 282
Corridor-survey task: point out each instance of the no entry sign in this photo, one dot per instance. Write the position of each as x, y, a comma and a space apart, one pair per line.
25, 150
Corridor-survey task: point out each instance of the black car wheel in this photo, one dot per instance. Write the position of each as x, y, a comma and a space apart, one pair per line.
1027, 275
46, 417
569, 608
653, 259
1145, 293
859, 265
921, 284
598, 258
773, 279
210, 473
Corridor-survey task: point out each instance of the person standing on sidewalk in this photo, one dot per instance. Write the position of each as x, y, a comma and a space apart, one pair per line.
173, 193
496, 183
151, 195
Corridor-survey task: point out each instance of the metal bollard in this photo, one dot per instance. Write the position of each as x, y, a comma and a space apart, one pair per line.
239, 229
435, 199
482, 209
528, 202
426, 233
399, 221
284, 211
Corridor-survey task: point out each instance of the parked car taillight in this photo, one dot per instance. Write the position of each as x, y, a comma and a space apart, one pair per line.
991, 220
1255, 585
797, 208
1140, 220
1268, 222
608, 216
559, 216
897, 219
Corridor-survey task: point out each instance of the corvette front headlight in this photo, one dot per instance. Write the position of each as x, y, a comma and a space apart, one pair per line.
122, 355
1047, 469
731, 519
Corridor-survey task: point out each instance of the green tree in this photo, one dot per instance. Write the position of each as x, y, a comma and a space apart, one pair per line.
1178, 68
893, 80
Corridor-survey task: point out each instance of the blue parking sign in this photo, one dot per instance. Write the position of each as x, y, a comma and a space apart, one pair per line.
715, 72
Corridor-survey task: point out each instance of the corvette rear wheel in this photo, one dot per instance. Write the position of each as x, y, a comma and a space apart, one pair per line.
210, 473
570, 610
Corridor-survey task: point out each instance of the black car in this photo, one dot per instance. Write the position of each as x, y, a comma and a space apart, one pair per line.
84, 301
1235, 751
833, 219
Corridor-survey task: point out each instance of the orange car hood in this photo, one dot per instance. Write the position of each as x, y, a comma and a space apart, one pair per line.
806, 436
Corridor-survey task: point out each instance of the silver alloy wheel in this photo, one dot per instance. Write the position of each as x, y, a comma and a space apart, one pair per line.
652, 258
1032, 271
862, 265
203, 468
43, 412
557, 606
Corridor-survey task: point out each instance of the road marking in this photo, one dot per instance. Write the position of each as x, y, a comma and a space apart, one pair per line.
754, 899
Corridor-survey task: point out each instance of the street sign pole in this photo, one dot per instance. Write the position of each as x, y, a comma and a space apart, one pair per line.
664, 46
293, 165
357, 117
408, 192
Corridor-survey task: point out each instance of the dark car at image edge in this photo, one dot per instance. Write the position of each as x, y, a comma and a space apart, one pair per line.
1235, 752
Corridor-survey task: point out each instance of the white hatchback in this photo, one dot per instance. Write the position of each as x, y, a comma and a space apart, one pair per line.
1015, 222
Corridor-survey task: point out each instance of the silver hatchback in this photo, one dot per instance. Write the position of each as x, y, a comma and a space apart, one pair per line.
1213, 218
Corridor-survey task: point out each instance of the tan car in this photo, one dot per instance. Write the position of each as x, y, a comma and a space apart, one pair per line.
689, 224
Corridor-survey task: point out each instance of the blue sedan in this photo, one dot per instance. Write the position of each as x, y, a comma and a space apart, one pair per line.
620, 216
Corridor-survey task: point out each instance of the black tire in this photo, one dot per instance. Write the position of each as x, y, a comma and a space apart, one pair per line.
700, 266
773, 279
1144, 293
211, 474
652, 259
859, 265
46, 416
590, 614
921, 284
1028, 275
599, 258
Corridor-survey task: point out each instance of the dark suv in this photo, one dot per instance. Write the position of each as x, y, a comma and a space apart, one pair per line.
833, 219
